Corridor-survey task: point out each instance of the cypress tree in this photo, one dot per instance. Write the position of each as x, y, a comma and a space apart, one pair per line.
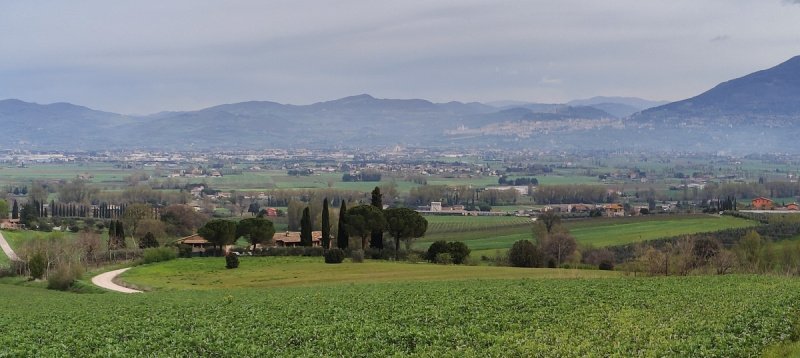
120, 234
326, 225
112, 234
342, 238
305, 229
15, 210
376, 238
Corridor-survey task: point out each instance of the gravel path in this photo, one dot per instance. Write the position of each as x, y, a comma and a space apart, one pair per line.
105, 280
7, 249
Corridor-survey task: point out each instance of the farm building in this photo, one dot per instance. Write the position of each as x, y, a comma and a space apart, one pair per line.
198, 243
614, 210
292, 238
762, 203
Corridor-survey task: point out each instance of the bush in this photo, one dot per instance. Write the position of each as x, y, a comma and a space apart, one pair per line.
459, 251
149, 240
334, 256
436, 248
524, 254
64, 276
313, 251
185, 250
415, 257
443, 258
606, 265
231, 260
357, 256
37, 264
456, 250
158, 254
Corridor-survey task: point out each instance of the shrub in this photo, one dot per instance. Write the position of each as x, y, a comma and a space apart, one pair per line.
357, 256
158, 254
231, 260
459, 251
74, 228
415, 257
313, 251
37, 264
185, 250
334, 256
606, 265
443, 258
149, 240
524, 254
435, 249
64, 276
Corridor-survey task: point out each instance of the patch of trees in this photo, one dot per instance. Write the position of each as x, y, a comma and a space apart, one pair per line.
504, 180
578, 193
751, 253
299, 172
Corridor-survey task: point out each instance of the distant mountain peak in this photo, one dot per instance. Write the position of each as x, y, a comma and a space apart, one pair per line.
771, 95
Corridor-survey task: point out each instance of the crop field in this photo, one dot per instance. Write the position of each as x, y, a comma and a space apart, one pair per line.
711, 316
268, 272
618, 231
102, 173
487, 234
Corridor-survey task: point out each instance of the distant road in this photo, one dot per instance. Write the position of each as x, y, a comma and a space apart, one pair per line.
7, 249
106, 280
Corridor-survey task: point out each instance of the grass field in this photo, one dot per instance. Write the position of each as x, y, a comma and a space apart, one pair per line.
711, 316
267, 272
485, 235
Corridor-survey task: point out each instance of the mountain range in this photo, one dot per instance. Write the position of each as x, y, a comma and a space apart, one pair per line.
762, 106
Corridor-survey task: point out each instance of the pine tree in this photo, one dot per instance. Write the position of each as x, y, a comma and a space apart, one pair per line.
305, 229
342, 238
376, 238
326, 225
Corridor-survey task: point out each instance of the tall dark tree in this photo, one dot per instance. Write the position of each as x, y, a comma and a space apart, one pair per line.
342, 237
404, 224
376, 237
120, 235
256, 230
305, 229
362, 220
15, 210
326, 225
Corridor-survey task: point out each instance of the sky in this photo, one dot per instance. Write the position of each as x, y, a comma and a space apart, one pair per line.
143, 56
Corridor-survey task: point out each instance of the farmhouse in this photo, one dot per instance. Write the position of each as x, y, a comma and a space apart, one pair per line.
792, 207
292, 239
10, 224
199, 244
614, 210
762, 203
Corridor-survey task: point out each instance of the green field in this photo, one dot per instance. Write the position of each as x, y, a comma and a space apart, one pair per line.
711, 316
267, 272
485, 235
618, 231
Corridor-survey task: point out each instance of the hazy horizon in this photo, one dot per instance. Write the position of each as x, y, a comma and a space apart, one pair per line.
147, 57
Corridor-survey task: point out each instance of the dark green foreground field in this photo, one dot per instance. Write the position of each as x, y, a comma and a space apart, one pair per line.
711, 316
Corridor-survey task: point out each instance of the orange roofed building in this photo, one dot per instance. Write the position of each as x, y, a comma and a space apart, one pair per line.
762, 203
292, 238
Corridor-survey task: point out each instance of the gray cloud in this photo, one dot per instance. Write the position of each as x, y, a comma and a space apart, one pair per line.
148, 56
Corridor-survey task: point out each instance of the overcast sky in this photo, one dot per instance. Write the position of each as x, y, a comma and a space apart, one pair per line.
148, 56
